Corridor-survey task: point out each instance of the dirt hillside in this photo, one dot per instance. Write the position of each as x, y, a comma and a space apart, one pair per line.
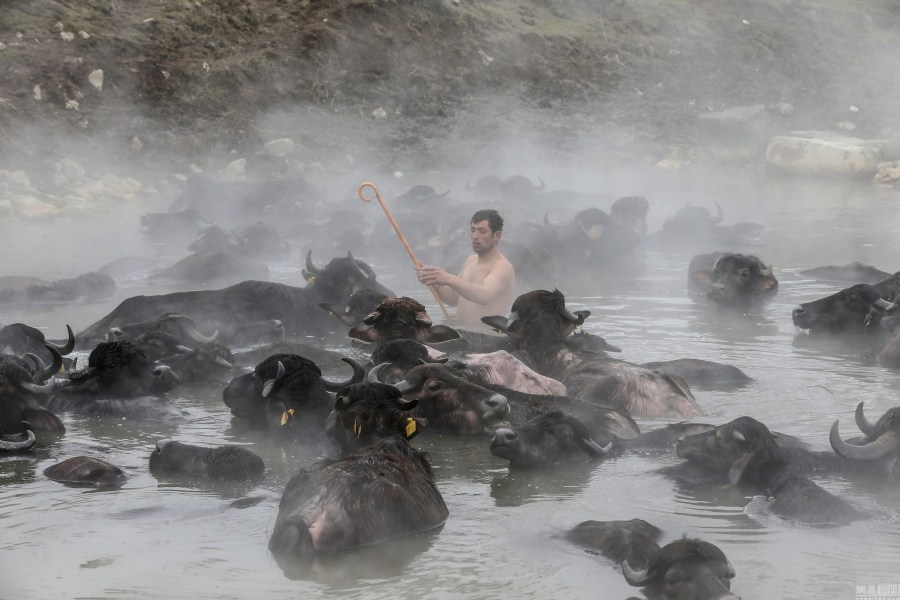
423, 83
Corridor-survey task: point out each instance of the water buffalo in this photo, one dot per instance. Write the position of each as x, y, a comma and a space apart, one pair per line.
20, 410
210, 363
90, 286
119, 380
852, 273
697, 225
856, 309
382, 492
242, 199
540, 324
420, 194
223, 463
181, 329
19, 339
732, 280
257, 240
454, 400
85, 470
630, 213
285, 390
686, 569
592, 237
553, 438
213, 267
745, 451
401, 318
361, 304
880, 449
296, 308
700, 372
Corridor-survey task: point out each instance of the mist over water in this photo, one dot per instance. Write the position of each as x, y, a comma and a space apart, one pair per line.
158, 538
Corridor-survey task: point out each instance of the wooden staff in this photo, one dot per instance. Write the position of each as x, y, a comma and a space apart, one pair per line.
409, 250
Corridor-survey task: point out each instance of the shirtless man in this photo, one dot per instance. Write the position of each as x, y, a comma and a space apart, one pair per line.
486, 283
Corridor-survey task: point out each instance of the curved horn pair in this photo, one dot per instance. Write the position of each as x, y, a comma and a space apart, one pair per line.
884, 445
359, 374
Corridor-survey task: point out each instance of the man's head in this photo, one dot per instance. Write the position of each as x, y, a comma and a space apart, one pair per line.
486, 229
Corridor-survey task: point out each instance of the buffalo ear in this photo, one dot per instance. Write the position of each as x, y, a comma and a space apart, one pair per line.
441, 333
365, 333
497, 322
372, 318
702, 278
582, 315
737, 468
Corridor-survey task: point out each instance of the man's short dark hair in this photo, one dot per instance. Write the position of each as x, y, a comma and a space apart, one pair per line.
495, 221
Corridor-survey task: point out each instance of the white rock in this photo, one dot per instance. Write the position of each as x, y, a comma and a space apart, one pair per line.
121, 187
36, 92
67, 36
136, 145
280, 147
96, 78
196, 169
379, 113
847, 125
71, 104
235, 169
823, 153
71, 170
671, 164
30, 207
84, 35
888, 173
736, 133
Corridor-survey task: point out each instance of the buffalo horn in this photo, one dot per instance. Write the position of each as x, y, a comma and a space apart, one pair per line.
359, 374
766, 272
223, 363
863, 423
68, 346
738, 435
198, 337
547, 222
886, 444
719, 214
372, 318
716, 264
34, 388
635, 578
885, 305
541, 186
571, 317
595, 448
55, 366
271, 383
404, 386
26, 444
407, 404
375, 373
310, 266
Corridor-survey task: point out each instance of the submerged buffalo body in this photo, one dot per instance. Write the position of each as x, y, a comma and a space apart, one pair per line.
541, 324
85, 470
296, 308
223, 463
382, 491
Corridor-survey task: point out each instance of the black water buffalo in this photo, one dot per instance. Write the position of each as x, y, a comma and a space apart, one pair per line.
854, 272
90, 286
540, 324
686, 569
217, 266
592, 237
455, 399
396, 357
400, 318
696, 224
382, 492
285, 391
239, 200
361, 304
700, 372
20, 410
879, 450
449, 403
296, 308
732, 280
85, 470
745, 451
210, 363
856, 309
19, 339
553, 438
222, 463
257, 240
421, 194
181, 329
630, 213
120, 381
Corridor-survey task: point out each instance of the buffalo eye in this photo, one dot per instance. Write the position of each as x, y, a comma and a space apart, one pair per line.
433, 385
744, 273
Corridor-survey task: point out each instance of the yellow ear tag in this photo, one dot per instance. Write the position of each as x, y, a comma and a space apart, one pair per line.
311, 281
357, 428
410, 427
286, 416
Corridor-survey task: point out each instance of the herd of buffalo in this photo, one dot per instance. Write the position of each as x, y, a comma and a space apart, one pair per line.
542, 392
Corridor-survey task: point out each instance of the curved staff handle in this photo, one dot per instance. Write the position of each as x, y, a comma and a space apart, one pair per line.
409, 250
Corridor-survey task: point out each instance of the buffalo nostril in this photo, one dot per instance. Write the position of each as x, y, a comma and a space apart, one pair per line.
115, 334
161, 371
798, 311
504, 436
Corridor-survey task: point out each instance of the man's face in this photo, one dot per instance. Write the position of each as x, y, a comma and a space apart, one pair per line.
483, 239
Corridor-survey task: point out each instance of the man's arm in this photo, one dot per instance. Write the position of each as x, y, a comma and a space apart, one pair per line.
497, 279
430, 276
